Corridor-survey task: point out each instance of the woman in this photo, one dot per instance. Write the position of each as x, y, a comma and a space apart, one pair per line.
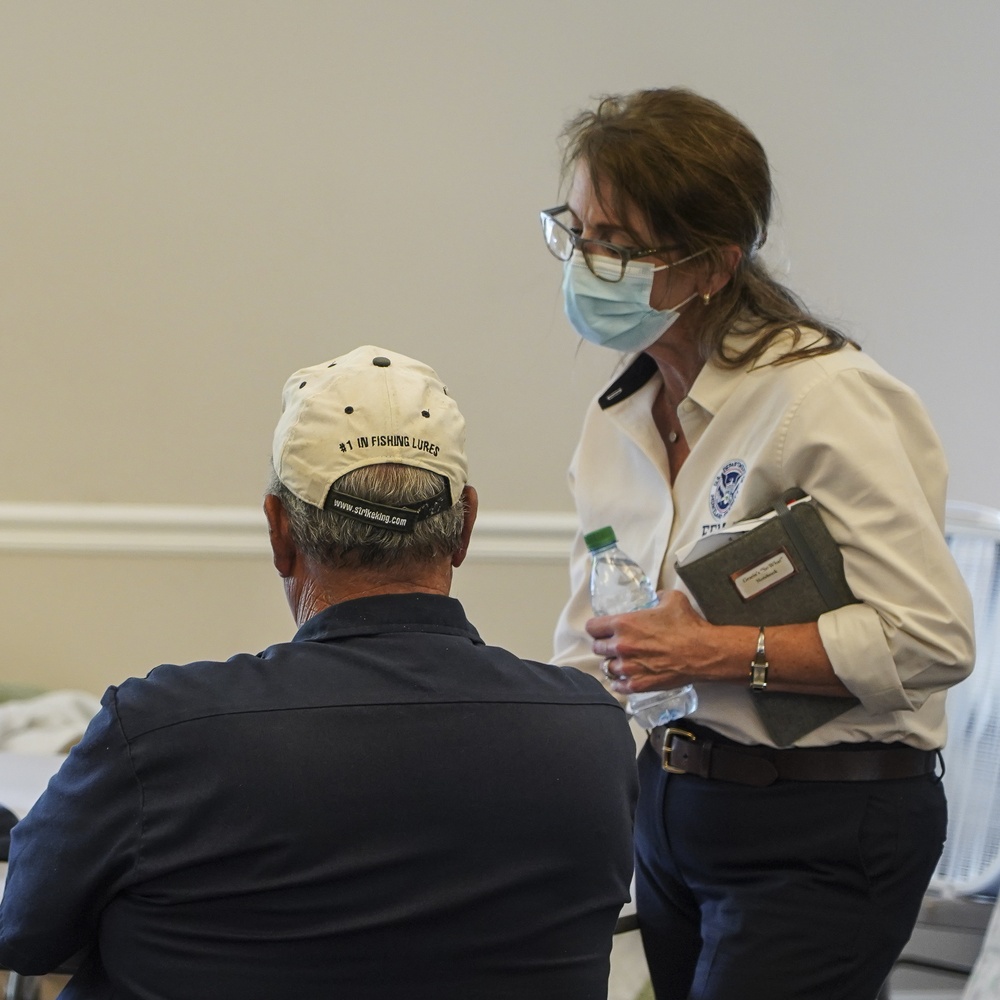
730, 394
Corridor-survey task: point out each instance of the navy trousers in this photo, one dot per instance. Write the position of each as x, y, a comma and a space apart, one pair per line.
803, 890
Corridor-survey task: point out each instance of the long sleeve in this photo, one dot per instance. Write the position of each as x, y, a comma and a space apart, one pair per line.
864, 448
76, 849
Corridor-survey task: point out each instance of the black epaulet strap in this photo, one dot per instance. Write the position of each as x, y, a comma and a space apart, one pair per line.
632, 379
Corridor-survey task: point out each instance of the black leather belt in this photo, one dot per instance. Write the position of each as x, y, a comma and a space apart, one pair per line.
686, 749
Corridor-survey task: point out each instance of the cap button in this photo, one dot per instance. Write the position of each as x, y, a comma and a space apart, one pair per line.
381, 362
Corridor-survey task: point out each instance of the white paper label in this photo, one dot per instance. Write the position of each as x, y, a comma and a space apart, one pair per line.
763, 575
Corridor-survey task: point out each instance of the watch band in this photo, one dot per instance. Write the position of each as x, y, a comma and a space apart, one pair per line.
759, 665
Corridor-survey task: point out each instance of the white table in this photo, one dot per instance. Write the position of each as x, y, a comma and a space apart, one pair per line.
23, 778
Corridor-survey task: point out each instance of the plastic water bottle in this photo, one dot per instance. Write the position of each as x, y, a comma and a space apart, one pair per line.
617, 585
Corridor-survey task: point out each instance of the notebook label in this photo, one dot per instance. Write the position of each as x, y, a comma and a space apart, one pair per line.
763, 574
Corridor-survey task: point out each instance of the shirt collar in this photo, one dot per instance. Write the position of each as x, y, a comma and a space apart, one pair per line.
710, 390
388, 613
713, 385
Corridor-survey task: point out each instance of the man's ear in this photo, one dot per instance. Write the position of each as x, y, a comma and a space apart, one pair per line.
283, 551
470, 499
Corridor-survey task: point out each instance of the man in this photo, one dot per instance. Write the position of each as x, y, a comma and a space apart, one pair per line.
383, 806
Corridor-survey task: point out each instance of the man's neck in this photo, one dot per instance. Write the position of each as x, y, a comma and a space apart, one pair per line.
325, 587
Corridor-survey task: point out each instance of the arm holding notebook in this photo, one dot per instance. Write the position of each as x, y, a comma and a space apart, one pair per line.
672, 644
861, 445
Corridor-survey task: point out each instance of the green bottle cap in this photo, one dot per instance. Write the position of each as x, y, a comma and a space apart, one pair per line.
600, 538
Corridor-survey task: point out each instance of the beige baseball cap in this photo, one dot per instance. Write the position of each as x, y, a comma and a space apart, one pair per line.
369, 407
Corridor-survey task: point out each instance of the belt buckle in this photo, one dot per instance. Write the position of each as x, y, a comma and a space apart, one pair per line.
670, 733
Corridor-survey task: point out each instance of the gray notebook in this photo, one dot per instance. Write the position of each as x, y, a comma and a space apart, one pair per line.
786, 570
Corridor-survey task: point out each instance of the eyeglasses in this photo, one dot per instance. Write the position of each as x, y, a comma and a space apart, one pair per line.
562, 241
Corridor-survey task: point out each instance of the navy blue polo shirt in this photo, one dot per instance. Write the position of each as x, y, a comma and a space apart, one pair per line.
383, 806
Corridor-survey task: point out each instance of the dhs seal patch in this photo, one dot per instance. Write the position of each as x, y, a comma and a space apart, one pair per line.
727, 484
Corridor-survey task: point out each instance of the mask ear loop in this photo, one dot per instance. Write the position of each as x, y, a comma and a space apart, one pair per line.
681, 305
693, 295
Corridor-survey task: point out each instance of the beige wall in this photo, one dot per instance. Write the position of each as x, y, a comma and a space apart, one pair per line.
95, 593
87, 621
199, 196
90, 621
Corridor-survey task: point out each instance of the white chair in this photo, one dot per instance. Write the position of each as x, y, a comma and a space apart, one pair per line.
963, 891
21, 987
984, 983
970, 864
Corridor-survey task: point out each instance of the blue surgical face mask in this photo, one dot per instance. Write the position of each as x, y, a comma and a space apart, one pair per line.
616, 314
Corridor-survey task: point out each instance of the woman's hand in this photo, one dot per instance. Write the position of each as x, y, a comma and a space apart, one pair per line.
655, 649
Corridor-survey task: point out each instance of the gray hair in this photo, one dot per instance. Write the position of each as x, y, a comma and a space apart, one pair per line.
334, 539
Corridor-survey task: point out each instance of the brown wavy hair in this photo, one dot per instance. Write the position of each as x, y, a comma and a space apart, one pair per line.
701, 180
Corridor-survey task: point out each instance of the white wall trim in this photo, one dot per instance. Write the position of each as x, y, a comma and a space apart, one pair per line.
175, 530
